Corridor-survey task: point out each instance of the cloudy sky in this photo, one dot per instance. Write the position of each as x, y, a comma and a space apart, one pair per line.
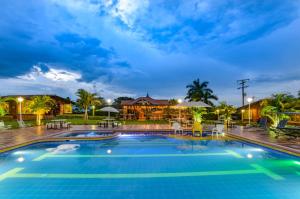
131, 47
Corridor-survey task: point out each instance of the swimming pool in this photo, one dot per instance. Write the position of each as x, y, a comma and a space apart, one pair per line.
148, 167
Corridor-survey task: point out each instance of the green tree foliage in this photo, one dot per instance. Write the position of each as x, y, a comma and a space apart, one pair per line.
40, 105
226, 111
85, 100
276, 107
198, 114
198, 91
117, 101
4, 105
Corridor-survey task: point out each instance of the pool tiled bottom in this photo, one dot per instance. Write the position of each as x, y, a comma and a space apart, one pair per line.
148, 167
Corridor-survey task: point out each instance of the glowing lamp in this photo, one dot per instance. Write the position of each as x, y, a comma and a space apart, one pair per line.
20, 99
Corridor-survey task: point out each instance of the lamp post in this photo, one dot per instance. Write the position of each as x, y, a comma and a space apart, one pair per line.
249, 100
20, 100
108, 101
243, 115
218, 113
93, 107
179, 101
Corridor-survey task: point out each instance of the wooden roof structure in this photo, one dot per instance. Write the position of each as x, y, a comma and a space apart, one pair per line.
145, 101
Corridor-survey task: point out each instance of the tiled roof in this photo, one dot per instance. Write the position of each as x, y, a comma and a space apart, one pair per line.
150, 100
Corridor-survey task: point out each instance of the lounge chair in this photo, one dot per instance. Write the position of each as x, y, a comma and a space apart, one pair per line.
3, 126
282, 126
177, 127
289, 131
219, 129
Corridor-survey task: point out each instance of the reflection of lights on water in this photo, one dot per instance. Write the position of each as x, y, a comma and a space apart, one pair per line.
20, 159
257, 149
249, 155
297, 162
109, 151
21, 152
124, 135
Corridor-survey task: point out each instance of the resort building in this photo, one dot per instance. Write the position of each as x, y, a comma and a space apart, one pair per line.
255, 112
145, 108
61, 106
255, 109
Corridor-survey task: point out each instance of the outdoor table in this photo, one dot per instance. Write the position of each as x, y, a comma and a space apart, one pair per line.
60, 122
108, 121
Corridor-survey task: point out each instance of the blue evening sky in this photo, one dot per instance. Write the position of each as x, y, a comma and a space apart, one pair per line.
131, 47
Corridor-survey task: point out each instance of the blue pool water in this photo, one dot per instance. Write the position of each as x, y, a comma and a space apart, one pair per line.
148, 167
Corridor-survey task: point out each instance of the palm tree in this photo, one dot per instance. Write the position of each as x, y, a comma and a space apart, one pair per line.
40, 105
4, 105
198, 91
85, 100
226, 111
275, 108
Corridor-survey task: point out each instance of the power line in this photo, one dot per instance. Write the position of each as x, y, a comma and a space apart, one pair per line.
242, 85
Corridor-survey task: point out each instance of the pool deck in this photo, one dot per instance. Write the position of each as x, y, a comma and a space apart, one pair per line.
10, 139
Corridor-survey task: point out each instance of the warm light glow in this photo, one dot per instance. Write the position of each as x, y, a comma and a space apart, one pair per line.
249, 99
20, 159
109, 151
20, 99
243, 110
179, 101
93, 107
249, 155
218, 110
108, 101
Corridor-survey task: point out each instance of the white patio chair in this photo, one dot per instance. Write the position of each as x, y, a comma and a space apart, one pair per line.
177, 127
219, 129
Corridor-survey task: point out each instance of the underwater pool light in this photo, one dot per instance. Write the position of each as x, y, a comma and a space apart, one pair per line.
249, 155
21, 159
297, 162
109, 151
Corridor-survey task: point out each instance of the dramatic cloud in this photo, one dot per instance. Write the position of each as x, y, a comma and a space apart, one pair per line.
131, 47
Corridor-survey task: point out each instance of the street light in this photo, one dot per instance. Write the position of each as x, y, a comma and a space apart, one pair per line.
93, 107
218, 113
20, 100
249, 100
243, 111
108, 101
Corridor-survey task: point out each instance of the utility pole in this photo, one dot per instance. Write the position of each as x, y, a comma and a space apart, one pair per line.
242, 83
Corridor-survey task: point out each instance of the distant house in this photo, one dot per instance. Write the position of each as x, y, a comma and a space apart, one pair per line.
255, 109
145, 108
62, 106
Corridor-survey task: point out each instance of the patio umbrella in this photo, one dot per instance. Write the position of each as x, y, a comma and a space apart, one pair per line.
109, 109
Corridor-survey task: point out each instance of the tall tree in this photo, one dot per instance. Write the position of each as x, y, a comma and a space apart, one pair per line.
117, 101
198, 91
40, 105
85, 100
